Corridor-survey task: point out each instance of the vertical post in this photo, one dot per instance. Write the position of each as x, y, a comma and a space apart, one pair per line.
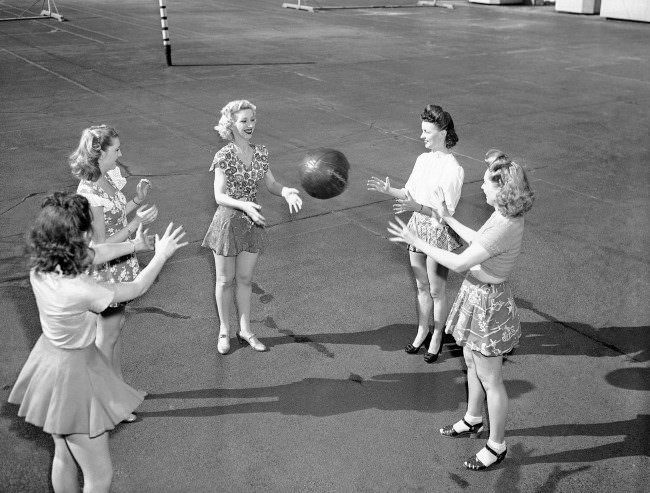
165, 32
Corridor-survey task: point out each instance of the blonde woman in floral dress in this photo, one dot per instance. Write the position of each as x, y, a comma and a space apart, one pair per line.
483, 319
236, 235
94, 163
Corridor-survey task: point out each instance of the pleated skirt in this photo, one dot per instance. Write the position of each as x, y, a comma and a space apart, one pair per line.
66, 391
484, 317
439, 236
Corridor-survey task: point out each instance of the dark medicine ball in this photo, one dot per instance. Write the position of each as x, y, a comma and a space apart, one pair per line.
324, 173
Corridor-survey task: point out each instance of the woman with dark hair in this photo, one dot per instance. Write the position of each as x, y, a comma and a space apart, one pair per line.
236, 234
66, 386
436, 178
94, 163
484, 319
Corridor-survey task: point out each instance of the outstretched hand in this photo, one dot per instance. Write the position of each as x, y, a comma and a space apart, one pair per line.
379, 185
144, 242
406, 204
442, 211
170, 241
401, 232
146, 214
142, 189
291, 195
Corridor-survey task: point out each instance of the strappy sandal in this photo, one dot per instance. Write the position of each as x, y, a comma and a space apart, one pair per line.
476, 465
474, 430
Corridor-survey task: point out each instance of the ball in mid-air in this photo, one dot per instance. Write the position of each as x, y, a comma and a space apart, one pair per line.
324, 173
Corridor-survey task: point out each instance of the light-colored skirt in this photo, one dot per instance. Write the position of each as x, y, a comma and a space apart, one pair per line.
67, 391
439, 236
484, 317
232, 232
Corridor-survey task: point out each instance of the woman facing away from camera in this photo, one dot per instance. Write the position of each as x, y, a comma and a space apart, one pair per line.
67, 386
94, 163
484, 319
236, 235
436, 177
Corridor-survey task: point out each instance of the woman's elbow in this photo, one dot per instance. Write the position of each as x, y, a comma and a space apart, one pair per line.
460, 267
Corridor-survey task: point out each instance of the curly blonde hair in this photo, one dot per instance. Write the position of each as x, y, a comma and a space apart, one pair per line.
227, 120
515, 197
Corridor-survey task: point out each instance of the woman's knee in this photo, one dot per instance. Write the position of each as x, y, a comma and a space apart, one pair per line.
225, 282
438, 287
244, 280
490, 376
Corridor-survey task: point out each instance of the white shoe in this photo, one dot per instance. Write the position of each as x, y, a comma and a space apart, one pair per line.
223, 345
253, 341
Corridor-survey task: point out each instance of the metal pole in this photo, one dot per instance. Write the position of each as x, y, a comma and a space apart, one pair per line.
165, 32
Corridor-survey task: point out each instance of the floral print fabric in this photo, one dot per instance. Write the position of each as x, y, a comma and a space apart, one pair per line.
439, 236
122, 269
484, 317
232, 231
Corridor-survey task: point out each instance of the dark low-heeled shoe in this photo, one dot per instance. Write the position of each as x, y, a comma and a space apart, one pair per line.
476, 465
474, 430
411, 349
431, 357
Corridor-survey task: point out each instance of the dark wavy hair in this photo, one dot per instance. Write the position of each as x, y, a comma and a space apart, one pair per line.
58, 241
515, 197
84, 161
443, 121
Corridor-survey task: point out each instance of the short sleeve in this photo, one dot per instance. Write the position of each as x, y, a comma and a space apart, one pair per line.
492, 235
93, 198
452, 188
98, 297
222, 158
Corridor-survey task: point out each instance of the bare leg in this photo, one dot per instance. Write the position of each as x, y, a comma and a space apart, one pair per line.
475, 392
94, 458
109, 328
244, 276
425, 302
223, 290
489, 371
437, 275
64, 467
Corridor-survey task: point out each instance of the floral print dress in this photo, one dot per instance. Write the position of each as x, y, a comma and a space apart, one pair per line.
232, 231
122, 269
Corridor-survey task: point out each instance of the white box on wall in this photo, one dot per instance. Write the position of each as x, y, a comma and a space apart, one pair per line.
631, 10
578, 6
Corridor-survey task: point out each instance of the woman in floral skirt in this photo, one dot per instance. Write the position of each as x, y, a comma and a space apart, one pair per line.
483, 319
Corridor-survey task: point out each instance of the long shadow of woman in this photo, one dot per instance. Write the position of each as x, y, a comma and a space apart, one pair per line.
424, 392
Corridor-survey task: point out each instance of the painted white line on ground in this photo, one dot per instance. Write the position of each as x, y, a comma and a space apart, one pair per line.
52, 72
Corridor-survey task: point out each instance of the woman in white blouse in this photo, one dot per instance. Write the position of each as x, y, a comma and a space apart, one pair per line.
436, 178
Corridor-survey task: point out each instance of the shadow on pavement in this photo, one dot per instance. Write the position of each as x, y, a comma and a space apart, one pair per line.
634, 443
424, 392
